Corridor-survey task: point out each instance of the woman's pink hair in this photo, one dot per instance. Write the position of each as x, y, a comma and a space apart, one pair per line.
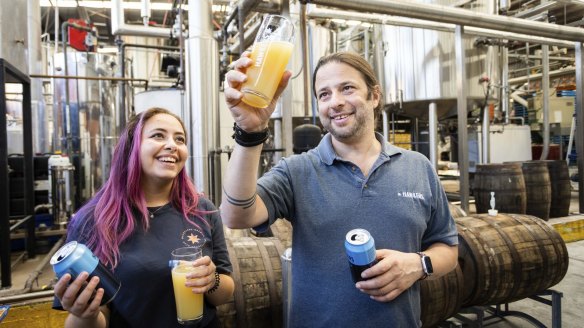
113, 209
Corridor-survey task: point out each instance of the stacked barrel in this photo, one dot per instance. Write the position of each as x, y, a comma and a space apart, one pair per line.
501, 259
538, 188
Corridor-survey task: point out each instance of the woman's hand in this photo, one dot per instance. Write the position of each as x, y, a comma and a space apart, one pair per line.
79, 297
203, 278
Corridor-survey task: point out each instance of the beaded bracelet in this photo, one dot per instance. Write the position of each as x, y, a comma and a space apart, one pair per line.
249, 139
217, 282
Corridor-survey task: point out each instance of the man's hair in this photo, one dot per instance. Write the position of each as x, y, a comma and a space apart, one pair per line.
358, 63
120, 204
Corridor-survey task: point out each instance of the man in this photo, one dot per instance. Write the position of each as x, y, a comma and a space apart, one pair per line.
353, 179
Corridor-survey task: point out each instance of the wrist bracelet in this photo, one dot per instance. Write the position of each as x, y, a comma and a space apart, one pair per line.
249, 139
217, 282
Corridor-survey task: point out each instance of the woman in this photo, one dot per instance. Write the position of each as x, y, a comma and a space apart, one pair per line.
147, 208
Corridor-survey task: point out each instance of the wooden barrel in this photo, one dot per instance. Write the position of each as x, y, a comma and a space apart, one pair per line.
560, 187
257, 273
236, 233
441, 298
538, 188
506, 181
456, 211
508, 257
281, 229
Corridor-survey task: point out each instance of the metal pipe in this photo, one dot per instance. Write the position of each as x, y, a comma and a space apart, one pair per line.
536, 10
433, 133
385, 123
34, 274
35, 65
378, 56
431, 25
26, 297
446, 14
202, 107
486, 146
244, 8
181, 42
20, 222
540, 57
120, 122
122, 46
580, 122
148, 46
119, 26
248, 37
305, 60
537, 76
575, 2
94, 78
505, 82
462, 88
66, 70
545, 86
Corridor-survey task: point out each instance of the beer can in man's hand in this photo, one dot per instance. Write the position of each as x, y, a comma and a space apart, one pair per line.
360, 249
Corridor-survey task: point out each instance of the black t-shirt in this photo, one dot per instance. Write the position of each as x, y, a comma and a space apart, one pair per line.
146, 297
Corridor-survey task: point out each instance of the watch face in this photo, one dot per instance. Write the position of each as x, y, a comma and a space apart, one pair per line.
428, 265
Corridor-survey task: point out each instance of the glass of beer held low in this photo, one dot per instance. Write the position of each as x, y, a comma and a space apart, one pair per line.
189, 306
270, 54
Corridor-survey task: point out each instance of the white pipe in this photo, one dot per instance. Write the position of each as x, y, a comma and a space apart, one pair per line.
314, 12
203, 65
463, 17
538, 76
119, 26
515, 95
433, 131
145, 11
35, 66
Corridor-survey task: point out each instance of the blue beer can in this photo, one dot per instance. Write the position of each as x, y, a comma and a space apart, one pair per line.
74, 258
360, 248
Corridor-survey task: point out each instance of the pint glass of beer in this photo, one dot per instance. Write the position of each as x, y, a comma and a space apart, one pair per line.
189, 306
270, 54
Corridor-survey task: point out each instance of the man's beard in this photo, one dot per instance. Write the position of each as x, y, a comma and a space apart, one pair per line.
342, 133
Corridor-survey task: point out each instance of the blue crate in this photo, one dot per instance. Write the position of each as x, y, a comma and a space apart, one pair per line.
40, 219
566, 93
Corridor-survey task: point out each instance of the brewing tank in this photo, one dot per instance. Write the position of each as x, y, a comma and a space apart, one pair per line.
84, 118
420, 67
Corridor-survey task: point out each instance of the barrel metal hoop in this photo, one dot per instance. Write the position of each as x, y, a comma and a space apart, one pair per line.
517, 265
473, 251
272, 288
539, 242
557, 242
239, 299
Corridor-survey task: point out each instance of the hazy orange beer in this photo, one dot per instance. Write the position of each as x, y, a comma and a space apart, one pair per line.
270, 54
189, 306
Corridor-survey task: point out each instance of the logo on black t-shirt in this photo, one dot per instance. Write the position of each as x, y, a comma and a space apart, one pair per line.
193, 237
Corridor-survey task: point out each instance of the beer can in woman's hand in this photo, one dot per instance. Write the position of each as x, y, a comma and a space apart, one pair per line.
74, 258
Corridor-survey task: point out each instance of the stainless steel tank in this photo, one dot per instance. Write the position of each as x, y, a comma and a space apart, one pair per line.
84, 125
420, 67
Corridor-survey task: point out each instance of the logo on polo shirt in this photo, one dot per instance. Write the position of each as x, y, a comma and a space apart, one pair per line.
409, 194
